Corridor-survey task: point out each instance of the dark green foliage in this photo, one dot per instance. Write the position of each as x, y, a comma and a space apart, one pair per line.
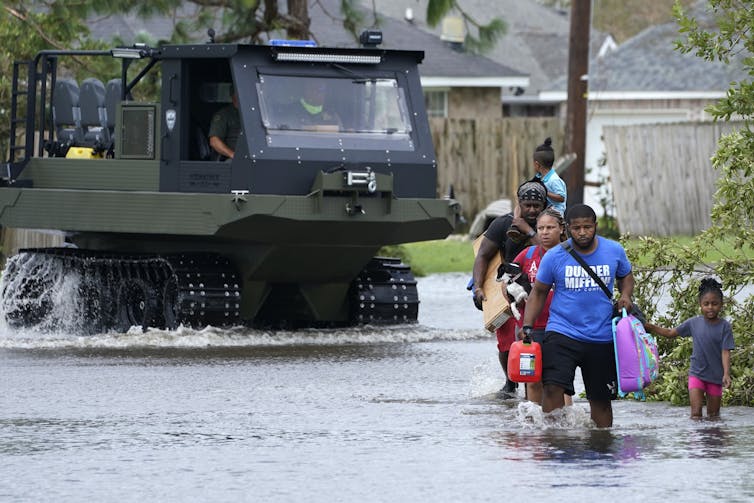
486, 34
676, 269
607, 226
437, 9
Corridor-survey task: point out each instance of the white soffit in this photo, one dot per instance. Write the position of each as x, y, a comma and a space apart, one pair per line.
636, 95
448, 82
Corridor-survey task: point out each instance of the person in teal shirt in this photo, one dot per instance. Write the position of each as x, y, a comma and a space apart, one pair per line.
544, 157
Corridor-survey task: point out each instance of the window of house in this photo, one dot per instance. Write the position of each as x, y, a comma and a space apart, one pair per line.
437, 103
529, 110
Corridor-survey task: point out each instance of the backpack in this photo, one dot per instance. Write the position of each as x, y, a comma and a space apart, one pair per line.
636, 356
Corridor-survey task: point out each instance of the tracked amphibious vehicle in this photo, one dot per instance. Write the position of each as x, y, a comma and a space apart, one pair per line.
160, 231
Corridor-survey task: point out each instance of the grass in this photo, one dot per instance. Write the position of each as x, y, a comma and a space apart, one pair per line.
455, 254
443, 255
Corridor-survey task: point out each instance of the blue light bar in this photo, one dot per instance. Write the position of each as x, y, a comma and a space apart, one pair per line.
310, 57
280, 42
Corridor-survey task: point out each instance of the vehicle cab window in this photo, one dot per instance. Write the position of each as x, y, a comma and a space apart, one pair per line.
323, 112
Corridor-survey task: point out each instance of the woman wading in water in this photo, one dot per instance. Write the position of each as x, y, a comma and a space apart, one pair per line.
551, 231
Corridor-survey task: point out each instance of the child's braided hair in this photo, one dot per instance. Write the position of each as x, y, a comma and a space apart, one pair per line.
708, 285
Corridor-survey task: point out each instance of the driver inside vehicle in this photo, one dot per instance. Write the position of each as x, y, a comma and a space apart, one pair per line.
225, 129
310, 110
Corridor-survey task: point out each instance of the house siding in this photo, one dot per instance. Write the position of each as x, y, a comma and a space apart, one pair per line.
474, 102
694, 107
602, 113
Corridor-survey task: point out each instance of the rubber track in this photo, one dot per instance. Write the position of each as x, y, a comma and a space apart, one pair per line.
209, 291
385, 293
206, 286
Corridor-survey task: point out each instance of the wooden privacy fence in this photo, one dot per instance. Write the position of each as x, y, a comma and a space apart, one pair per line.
487, 159
662, 177
15, 239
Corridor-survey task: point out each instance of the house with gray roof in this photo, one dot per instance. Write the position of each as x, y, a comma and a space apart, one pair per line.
646, 81
457, 84
535, 43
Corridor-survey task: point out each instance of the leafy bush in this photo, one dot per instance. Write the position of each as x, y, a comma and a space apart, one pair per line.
676, 269
676, 273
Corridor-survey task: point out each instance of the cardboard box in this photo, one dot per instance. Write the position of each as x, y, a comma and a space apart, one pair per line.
496, 307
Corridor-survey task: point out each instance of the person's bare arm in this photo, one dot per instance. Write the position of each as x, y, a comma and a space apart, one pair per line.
487, 250
535, 302
556, 197
220, 147
522, 225
626, 289
726, 368
665, 332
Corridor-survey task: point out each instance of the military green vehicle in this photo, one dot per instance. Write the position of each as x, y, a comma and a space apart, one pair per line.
162, 231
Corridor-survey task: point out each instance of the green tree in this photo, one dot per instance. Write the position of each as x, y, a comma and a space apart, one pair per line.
486, 34
27, 27
724, 32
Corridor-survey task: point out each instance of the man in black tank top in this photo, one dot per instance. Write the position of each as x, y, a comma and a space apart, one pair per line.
532, 198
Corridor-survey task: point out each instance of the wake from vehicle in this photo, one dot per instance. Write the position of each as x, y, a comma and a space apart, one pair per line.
37, 293
445, 314
210, 337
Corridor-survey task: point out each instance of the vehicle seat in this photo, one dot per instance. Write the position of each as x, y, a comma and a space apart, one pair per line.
66, 114
94, 114
200, 149
113, 91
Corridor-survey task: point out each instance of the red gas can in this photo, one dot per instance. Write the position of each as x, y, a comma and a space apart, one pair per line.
525, 361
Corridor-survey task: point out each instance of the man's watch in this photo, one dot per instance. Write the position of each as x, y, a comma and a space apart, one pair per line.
531, 233
526, 329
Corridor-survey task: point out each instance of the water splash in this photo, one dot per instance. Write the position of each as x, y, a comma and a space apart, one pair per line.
184, 337
58, 307
486, 379
39, 294
530, 415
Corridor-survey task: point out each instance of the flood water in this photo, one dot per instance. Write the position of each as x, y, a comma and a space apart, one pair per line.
369, 415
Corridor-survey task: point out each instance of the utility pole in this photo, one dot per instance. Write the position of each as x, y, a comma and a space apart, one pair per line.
298, 28
578, 85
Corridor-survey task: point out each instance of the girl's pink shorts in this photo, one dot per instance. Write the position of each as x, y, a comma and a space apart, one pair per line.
708, 387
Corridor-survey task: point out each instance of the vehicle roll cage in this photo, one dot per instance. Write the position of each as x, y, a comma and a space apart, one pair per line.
38, 120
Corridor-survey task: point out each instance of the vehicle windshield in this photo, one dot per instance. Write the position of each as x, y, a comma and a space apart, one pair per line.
310, 111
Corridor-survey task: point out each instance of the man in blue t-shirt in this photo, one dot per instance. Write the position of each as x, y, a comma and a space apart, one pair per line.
579, 330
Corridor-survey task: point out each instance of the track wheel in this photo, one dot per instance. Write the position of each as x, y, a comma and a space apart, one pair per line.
109, 309
137, 304
28, 305
170, 303
92, 314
